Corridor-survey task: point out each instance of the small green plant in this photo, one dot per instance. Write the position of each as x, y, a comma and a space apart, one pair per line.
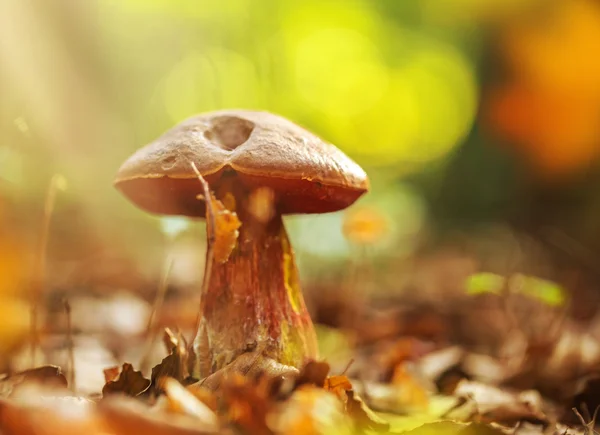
543, 290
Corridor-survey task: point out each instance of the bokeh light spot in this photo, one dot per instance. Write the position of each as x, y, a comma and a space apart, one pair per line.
428, 107
339, 71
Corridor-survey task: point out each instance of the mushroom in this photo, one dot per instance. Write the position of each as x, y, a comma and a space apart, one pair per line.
253, 300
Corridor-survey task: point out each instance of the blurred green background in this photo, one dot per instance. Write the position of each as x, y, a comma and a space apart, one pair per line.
466, 114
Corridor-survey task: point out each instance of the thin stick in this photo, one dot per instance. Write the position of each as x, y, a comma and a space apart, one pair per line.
70, 350
57, 182
347, 366
588, 426
156, 307
182, 350
210, 238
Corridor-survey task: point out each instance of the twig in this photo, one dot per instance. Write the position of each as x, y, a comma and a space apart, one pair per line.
182, 350
70, 350
210, 237
350, 363
156, 307
588, 426
57, 182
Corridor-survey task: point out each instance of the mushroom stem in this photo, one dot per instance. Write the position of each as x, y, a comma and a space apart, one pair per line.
254, 301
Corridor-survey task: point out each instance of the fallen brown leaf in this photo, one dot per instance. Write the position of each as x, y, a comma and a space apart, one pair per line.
41, 411
453, 428
204, 395
364, 417
412, 392
338, 385
392, 398
174, 365
124, 415
310, 411
129, 382
314, 373
183, 401
50, 376
111, 374
493, 404
247, 404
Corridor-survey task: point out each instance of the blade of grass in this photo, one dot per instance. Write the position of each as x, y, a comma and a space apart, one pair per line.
156, 307
57, 182
70, 349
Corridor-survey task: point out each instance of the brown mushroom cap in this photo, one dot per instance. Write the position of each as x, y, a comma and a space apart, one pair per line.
306, 174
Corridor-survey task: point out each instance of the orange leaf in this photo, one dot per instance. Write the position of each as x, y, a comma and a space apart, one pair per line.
412, 392
225, 230
129, 382
338, 385
222, 223
365, 225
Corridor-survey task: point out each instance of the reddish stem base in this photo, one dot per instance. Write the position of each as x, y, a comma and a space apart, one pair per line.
254, 303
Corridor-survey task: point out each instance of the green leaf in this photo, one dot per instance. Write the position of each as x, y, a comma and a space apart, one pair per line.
543, 290
484, 282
